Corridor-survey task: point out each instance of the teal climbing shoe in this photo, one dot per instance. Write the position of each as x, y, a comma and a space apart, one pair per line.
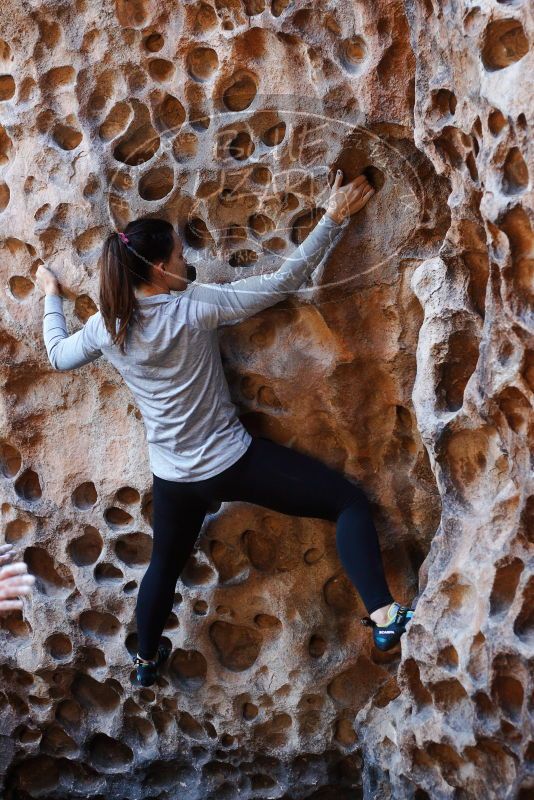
147, 671
387, 636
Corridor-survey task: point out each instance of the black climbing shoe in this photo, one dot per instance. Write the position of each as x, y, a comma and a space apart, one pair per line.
147, 672
387, 636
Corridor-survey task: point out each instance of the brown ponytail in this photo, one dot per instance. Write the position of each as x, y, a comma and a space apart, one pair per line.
126, 263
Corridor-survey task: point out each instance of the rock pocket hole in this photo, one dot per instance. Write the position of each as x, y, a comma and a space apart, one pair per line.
260, 224
243, 258
289, 201
443, 103
5, 195
170, 114
448, 657
516, 408
66, 136
241, 147
261, 175
353, 54
196, 234
10, 460
154, 42
161, 70
515, 172
6, 146
279, 6
457, 366
128, 495
185, 146
20, 287
524, 623
417, 689
116, 122
133, 13
59, 646
84, 496
505, 583
188, 668
134, 549
84, 307
107, 573
237, 646
92, 694
156, 184
274, 135
316, 646
86, 549
140, 142
16, 530
27, 486
146, 509
7, 87
117, 518
517, 227
109, 755
202, 63
504, 43
374, 176
508, 693
241, 92
52, 579
274, 245
99, 624
496, 121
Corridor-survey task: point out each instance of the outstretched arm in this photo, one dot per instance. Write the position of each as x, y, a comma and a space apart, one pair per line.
64, 351
67, 352
212, 305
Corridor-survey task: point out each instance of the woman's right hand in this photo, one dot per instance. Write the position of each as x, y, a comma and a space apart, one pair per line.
347, 200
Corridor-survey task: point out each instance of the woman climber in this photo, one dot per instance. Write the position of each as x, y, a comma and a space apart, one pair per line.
160, 332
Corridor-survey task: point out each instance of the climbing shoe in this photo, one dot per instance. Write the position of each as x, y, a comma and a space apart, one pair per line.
147, 671
387, 636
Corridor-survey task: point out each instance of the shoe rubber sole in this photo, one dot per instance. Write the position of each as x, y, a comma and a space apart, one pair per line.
146, 674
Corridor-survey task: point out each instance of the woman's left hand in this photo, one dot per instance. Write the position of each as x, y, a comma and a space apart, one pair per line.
46, 280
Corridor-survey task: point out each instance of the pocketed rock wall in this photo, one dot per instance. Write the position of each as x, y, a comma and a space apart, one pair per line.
460, 726
406, 362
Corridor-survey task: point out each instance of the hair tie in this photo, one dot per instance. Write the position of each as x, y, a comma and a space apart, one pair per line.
123, 237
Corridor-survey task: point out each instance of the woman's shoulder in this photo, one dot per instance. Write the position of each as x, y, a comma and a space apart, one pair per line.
96, 326
179, 302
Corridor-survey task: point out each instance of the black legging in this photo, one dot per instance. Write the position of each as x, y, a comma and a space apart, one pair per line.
271, 475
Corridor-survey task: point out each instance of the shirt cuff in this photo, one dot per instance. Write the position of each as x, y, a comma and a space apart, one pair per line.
328, 220
53, 302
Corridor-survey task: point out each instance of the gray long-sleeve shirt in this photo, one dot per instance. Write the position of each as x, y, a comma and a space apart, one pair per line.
173, 364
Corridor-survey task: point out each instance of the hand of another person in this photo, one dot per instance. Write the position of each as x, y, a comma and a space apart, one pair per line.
7, 552
14, 581
347, 200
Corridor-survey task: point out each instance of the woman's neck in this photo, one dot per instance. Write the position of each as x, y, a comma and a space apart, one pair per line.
151, 293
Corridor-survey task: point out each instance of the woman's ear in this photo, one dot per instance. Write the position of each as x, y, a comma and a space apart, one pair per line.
160, 274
